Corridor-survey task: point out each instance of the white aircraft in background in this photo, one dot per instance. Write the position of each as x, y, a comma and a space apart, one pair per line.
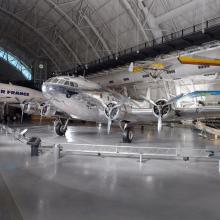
201, 65
29, 100
86, 100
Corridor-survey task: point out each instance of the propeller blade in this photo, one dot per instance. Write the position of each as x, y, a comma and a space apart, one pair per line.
22, 112
41, 113
109, 125
159, 125
149, 101
122, 102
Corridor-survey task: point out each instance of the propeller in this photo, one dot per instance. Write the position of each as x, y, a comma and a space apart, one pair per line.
43, 107
22, 112
160, 116
159, 123
111, 117
109, 125
41, 112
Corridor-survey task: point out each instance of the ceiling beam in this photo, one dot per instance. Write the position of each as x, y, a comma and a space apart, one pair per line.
150, 20
33, 29
72, 23
51, 59
70, 50
176, 12
134, 18
94, 29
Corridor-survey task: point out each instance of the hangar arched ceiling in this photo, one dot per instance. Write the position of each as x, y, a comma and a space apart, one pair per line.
70, 32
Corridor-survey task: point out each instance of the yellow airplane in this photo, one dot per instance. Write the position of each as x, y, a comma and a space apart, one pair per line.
196, 60
154, 69
141, 68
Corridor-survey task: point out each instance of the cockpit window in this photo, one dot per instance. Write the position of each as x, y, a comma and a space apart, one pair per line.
73, 84
67, 83
55, 80
62, 81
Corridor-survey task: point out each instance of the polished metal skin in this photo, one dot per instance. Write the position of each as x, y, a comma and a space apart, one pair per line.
86, 100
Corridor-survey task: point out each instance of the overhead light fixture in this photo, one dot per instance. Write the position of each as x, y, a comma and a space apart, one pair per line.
41, 66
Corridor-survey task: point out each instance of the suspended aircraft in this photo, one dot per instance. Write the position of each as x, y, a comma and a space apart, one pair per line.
167, 67
198, 60
155, 70
82, 99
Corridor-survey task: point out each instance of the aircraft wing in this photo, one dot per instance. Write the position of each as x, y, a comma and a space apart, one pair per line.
146, 115
168, 112
203, 112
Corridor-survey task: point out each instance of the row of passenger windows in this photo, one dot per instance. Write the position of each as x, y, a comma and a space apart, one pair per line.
63, 82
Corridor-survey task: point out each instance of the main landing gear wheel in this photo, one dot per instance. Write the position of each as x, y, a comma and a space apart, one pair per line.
59, 129
127, 135
68, 95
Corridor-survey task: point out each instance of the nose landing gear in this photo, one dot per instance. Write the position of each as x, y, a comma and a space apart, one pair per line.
69, 94
61, 128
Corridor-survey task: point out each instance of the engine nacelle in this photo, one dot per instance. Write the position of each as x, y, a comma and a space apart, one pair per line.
114, 113
163, 108
30, 108
48, 110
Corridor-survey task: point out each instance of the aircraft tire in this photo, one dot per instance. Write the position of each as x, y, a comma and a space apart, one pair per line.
127, 135
68, 95
59, 129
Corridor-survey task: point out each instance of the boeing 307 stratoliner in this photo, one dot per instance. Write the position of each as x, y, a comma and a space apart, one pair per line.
86, 100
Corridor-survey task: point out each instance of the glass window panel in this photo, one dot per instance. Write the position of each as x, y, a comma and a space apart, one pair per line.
62, 81
72, 84
17, 63
55, 80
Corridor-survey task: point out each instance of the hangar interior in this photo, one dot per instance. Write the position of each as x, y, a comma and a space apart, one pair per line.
109, 109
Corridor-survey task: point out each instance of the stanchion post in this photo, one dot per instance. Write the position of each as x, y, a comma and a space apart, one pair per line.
219, 166
57, 151
140, 158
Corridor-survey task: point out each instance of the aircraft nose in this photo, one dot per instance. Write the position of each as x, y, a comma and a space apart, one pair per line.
44, 88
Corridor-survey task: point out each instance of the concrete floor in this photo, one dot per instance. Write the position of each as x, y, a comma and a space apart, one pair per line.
90, 187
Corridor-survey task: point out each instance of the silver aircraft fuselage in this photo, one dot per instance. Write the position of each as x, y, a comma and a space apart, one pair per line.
81, 103
87, 100
18, 94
